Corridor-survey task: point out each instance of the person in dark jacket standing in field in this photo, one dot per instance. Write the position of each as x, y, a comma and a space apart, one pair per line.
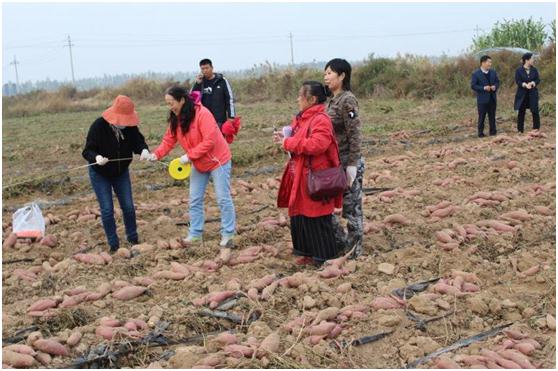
485, 83
343, 111
527, 95
111, 141
217, 94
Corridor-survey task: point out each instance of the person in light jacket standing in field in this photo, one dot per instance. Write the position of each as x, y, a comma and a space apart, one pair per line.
485, 83
343, 111
193, 127
527, 95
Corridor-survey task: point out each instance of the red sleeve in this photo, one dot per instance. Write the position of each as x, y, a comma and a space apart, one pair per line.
168, 143
318, 141
209, 131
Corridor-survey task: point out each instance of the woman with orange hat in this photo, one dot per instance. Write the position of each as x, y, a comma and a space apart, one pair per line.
111, 141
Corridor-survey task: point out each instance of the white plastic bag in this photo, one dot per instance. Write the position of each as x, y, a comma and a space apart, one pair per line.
28, 222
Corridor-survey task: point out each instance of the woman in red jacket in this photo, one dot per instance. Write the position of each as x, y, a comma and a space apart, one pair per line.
311, 138
194, 128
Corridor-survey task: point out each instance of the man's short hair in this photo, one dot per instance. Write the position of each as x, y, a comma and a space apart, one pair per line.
484, 58
205, 62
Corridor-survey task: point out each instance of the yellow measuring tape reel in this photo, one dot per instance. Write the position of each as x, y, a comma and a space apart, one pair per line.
179, 171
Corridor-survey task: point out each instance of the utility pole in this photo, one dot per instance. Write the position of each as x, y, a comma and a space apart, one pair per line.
292, 50
71, 59
15, 63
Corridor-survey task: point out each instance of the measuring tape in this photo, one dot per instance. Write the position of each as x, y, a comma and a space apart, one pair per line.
52, 174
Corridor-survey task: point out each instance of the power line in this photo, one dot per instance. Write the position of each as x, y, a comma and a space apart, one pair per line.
15, 63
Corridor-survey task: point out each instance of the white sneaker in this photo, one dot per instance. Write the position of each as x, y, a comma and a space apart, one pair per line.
226, 242
190, 240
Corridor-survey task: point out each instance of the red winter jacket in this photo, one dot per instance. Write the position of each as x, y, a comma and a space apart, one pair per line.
322, 146
203, 143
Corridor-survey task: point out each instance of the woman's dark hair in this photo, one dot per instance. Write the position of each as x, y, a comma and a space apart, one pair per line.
315, 89
186, 114
526, 57
340, 66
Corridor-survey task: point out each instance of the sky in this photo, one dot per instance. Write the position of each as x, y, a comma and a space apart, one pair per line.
113, 38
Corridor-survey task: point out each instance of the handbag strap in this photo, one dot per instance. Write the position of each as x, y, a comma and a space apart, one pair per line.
308, 161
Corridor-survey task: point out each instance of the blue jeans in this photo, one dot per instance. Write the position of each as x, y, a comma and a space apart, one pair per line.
222, 183
122, 186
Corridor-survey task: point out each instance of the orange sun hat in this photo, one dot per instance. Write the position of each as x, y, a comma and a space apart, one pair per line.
122, 112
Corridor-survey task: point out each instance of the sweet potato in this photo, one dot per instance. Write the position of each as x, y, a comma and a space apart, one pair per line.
226, 338
469, 360
238, 351
253, 293
259, 284
520, 215
396, 219
220, 296
315, 339
51, 347
543, 210
336, 331
225, 255
324, 328
517, 357
21, 348
143, 281
269, 345
443, 237
110, 322
515, 334
497, 358
385, 303
550, 322
444, 288
129, 292
467, 277
344, 288
74, 338
43, 358
106, 332
170, 275
17, 360
95, 259
525, 348
211, 361
106, 257
162, 244
49, 240
470, 287
10, 241
531, 271
445, 363
443, 213
42, 304
326, 315
242, 259
331, 271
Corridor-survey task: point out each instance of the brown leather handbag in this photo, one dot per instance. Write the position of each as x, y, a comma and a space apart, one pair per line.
325, 183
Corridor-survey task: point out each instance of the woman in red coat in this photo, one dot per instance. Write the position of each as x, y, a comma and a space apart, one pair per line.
310, 140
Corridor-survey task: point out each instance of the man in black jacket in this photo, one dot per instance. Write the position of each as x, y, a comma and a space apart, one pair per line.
485, 83
217, 95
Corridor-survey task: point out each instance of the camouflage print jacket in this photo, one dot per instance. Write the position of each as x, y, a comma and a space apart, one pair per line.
343, 111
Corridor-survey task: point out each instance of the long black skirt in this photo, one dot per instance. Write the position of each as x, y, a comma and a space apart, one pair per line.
314, 237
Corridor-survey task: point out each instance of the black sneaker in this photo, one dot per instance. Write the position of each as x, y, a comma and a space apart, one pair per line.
114, 249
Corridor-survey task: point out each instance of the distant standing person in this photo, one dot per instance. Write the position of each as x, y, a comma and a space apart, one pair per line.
111, 140
217, 94
527, 95
343, 111
485, 83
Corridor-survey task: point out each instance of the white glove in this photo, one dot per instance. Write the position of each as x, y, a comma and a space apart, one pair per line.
351, 174
101, 160
152, 157
145, 154
184, 159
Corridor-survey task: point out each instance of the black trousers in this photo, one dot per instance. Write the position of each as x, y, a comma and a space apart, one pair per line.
521, 116
314, 237
484, 109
